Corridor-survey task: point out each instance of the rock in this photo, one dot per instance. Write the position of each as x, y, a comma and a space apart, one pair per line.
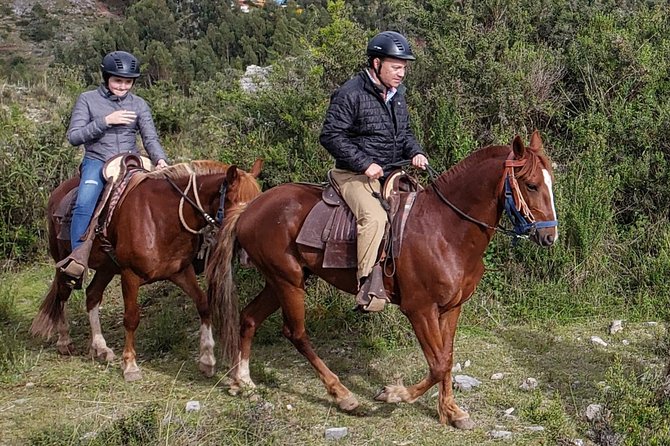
465, 382
192, 406
529, 384
535, 428
336, 433
289, 407
616, 326
509, 411
466, 363
457, 368
500, 435
497, 376
651, 323
597, 341
625, 342
578, 442
594, 412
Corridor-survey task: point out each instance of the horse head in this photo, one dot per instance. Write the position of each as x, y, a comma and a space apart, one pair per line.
242, 187
528, 188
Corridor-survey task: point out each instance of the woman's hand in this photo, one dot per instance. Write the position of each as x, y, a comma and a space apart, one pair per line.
161, 164
121, 117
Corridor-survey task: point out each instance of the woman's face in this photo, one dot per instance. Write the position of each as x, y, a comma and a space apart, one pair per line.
120, 85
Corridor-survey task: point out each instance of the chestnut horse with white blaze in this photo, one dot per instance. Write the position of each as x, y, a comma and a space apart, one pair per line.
155, 233
446, 234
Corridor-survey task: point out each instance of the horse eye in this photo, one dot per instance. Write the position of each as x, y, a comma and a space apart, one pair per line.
532, 187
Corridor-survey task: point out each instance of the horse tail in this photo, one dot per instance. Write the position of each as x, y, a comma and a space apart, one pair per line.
52, 310
221, 290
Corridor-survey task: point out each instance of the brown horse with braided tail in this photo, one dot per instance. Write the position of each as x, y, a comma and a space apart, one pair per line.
446, 234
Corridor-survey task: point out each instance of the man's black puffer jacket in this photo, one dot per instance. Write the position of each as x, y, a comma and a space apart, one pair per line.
360, 129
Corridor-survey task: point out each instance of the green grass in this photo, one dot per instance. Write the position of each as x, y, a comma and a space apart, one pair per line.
83, 402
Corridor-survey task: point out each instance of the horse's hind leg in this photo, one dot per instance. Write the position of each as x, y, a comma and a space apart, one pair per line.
130, 285
188, 282
253, 315
94, 292
292, 301
51, 316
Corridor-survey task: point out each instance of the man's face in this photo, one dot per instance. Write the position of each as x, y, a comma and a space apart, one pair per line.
120, 85
391, 71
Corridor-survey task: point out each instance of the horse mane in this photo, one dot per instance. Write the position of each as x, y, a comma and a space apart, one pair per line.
488, 152
183, 170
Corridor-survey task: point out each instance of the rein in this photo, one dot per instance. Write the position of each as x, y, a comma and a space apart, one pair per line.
515, 206
197, 205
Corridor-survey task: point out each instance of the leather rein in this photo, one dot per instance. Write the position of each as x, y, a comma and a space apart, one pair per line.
523, 221
211, 221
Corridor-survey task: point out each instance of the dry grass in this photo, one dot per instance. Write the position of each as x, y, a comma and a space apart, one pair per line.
49, 399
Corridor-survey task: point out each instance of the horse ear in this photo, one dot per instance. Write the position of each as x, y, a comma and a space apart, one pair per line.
232, 174
536, 141
256, 168
518, 147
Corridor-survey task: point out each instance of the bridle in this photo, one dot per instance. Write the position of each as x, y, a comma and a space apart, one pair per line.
524, 223
211, 221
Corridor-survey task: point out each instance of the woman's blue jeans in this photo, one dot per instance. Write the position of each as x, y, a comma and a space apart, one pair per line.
91, 185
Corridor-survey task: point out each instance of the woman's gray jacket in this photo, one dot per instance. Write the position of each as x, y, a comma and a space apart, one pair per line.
102, 141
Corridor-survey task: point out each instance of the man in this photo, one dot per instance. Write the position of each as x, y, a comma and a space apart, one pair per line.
367, 128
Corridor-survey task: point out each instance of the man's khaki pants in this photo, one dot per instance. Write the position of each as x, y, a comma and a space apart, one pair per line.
357, 189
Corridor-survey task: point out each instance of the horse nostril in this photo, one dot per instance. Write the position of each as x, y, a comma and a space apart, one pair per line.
549, 240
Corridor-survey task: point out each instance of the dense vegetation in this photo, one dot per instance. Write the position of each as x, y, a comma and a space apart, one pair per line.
593, 77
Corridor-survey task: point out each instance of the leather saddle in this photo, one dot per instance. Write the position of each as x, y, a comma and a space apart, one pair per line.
331, 226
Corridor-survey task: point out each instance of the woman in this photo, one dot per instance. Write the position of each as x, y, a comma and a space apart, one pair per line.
106, 122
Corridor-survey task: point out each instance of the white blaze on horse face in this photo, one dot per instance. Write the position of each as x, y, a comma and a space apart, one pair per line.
549, 183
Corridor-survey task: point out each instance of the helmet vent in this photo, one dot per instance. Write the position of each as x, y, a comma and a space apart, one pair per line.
399, 45
119, 63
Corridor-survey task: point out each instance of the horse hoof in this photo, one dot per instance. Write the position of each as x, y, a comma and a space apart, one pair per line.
132, 376
103, 355
66, 350
465, 424
348, 404
388, 396
207, 369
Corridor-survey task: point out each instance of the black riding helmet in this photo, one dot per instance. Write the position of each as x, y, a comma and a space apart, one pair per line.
390, 44
121, 64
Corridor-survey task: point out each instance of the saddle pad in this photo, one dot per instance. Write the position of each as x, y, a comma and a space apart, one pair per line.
333, 230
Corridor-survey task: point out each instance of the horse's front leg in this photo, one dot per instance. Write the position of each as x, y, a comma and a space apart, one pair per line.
435, 334
94, 294
130, 284
188, 282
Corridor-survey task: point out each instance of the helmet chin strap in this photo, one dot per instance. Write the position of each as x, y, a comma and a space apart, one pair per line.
378, 73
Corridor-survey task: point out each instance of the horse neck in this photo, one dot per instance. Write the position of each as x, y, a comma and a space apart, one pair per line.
208, 189
473, 186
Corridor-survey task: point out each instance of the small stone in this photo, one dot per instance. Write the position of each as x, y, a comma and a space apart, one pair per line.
529, 384
30, 385
509, 411
193, 406
535, 428
497, 376
457, 368
500, 435
578, 442
336, 433
616, 326
289, 407
465, 383
466, 363
625, 342
651, 323
594, 412
597, 341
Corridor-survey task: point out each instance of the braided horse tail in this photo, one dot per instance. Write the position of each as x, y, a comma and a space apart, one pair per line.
221, 289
